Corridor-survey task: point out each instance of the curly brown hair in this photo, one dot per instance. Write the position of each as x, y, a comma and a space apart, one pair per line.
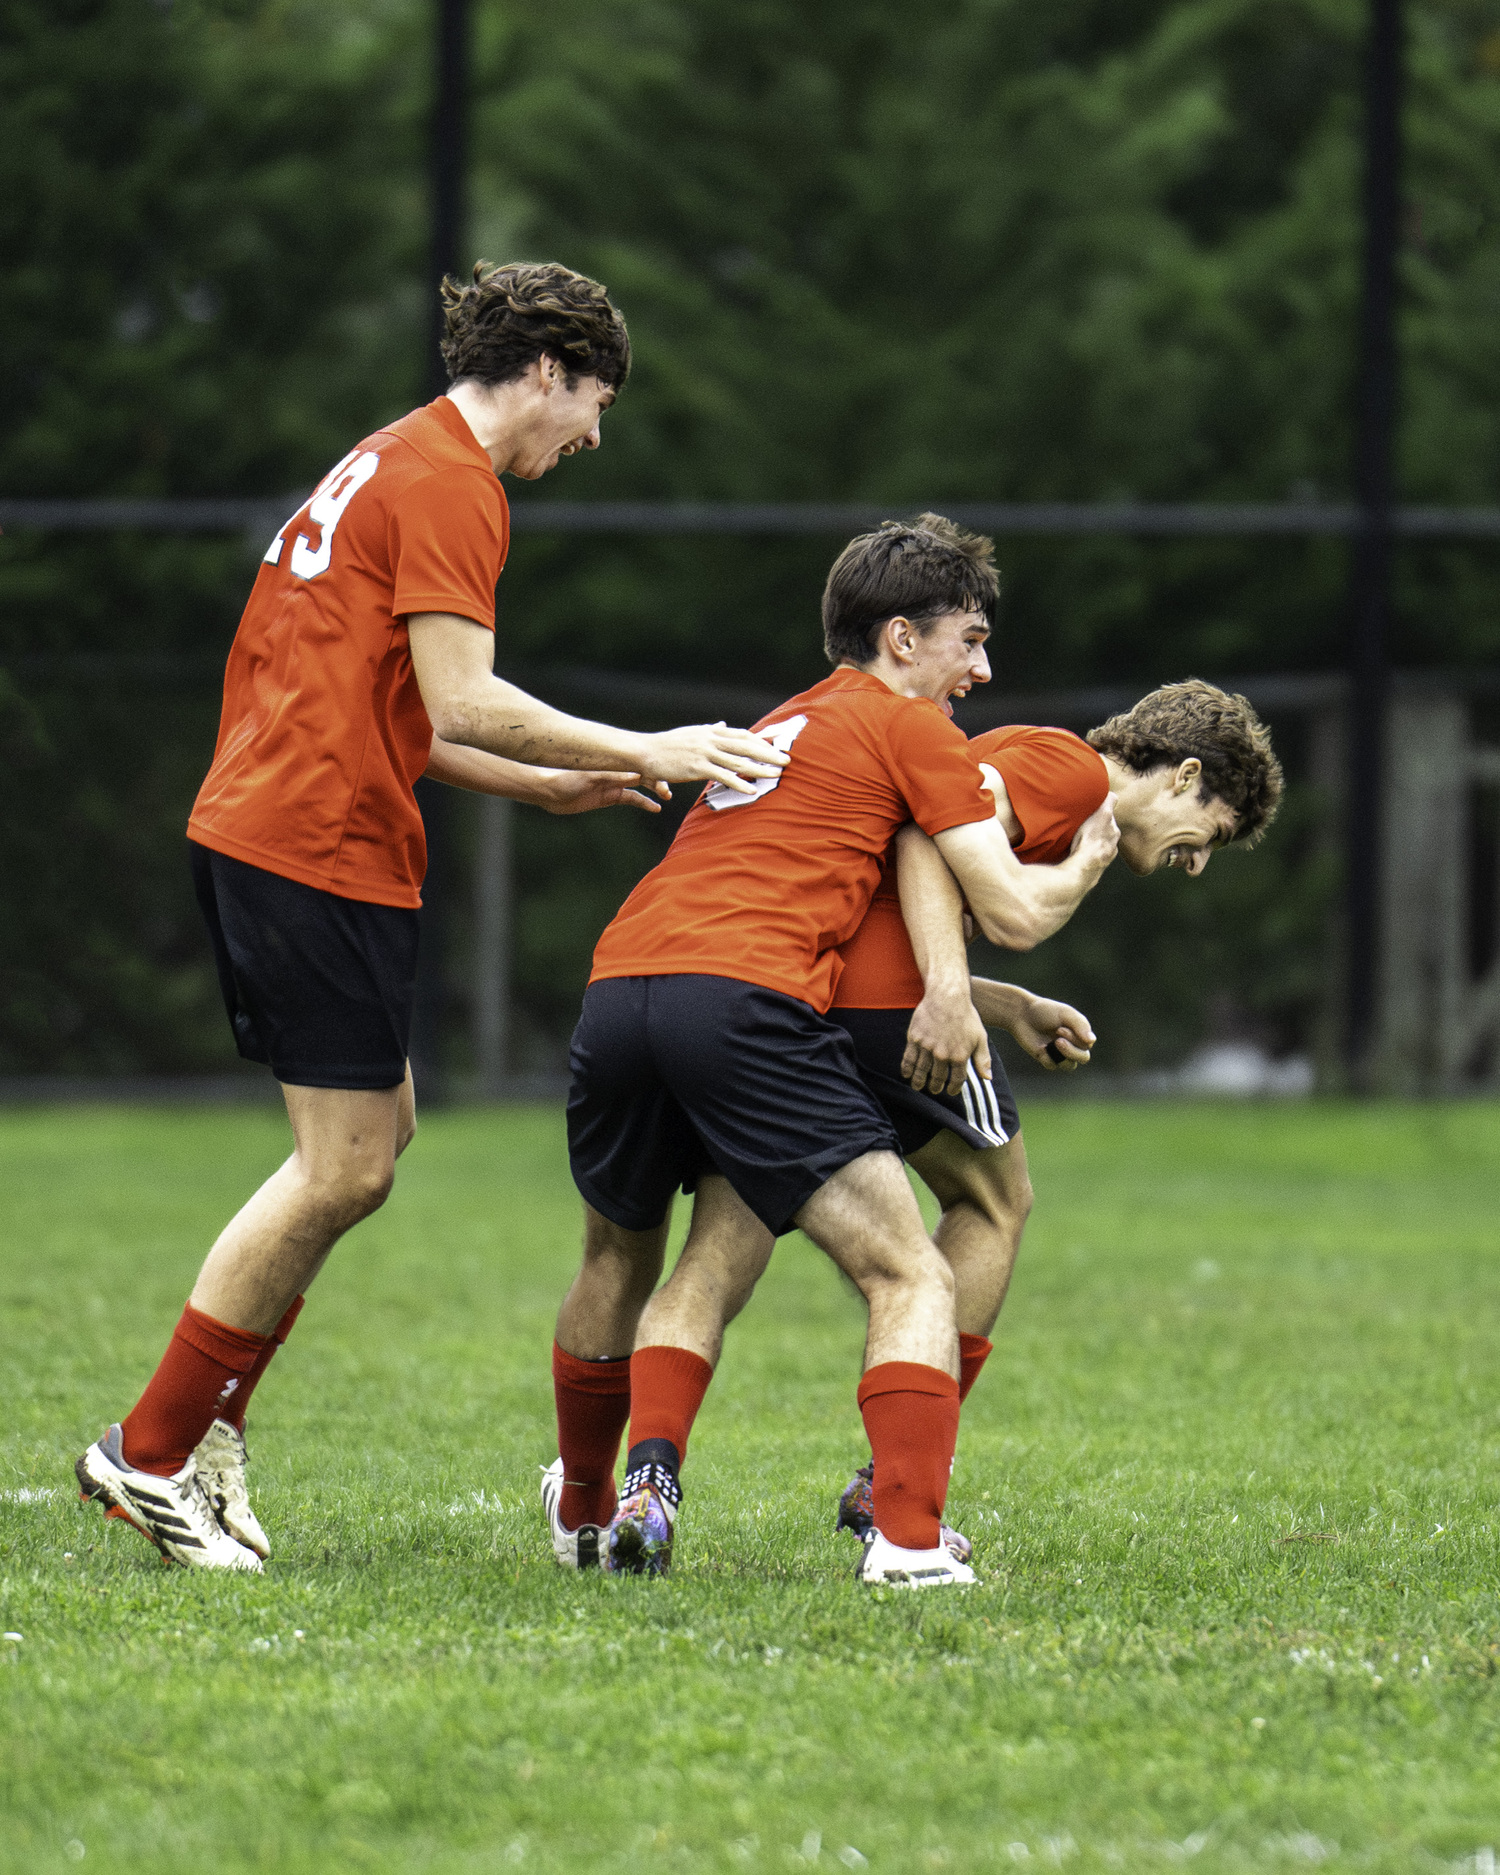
918, 570
1198, 719
508, 316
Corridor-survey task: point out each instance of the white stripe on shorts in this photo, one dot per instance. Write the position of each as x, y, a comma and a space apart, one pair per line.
981, 1108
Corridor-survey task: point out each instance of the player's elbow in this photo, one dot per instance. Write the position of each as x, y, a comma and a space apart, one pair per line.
452, 718
1012, 927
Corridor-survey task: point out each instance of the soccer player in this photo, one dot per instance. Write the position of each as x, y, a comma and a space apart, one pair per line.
705, 1047
365, 659
1188, 770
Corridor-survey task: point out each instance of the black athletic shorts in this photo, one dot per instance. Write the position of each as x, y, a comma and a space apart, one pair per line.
982, 1112
318, 987
676, 1076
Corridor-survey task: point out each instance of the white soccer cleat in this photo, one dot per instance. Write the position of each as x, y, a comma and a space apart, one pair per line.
885, 1562
221, 1460
174, 1512
574, 1549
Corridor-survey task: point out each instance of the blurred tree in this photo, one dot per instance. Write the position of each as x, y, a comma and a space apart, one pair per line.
211, 215
1030, 249
1003, 249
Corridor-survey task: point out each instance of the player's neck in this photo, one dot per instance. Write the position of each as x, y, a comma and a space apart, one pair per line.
495, 418
1124, 785
893, 675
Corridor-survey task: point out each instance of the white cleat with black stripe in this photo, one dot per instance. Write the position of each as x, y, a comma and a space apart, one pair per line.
174, 1512
886, 1563
574, 1549
221, 1461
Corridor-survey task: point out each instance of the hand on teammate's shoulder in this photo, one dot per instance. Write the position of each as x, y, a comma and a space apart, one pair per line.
1098, 838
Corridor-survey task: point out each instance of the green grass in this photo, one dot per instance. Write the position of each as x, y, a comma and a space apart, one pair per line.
1231, 1475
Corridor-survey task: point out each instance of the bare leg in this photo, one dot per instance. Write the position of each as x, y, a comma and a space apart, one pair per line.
867, 1221
986, 1198
866, 1218
725, 1256
345, 1146
598, 1317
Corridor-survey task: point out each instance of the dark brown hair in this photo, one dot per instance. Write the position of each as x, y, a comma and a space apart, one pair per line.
1196, 719
916, 570
510, 315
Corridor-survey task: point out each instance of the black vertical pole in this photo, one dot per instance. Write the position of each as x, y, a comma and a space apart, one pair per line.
1370, 594
447, 159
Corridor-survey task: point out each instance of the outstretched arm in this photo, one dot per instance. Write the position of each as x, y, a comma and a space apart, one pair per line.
469, 705
559, 790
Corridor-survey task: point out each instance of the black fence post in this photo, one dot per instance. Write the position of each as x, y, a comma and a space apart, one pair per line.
448, 160
1370, 584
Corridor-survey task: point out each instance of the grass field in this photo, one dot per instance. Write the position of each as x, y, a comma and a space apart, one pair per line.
1231, 1474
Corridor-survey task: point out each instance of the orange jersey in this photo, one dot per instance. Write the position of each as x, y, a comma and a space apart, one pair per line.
323, 731
763, 888
1054, 780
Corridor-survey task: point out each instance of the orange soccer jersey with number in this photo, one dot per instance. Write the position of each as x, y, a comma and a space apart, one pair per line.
1054, 780
323, 731
763, 888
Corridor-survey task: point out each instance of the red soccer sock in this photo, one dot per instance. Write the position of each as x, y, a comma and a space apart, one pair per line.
203, 1368
593, 1404
973, 1352
911, 1420
667, 1386
238, 1403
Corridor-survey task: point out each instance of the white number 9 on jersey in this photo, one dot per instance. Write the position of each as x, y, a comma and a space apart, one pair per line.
781, 736
326, 509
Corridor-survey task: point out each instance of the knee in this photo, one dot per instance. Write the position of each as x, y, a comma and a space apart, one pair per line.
370, 1186
631, 1259
1005, 1203
353, 1191
1020, 1201
916, 1267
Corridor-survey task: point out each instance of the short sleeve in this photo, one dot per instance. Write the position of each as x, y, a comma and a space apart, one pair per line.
1054, 781
449, 533
936, 770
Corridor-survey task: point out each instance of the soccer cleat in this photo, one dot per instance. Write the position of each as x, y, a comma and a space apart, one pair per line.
574, 1549
857, 1503
174, 1512
884, 1563
857, 1513
221, 1461
638, 1541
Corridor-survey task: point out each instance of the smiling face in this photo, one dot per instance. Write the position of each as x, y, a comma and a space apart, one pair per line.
1165, 821
942, 658
560, 422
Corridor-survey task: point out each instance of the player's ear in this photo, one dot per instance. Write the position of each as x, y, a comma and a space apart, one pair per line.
1187, 775
900, 635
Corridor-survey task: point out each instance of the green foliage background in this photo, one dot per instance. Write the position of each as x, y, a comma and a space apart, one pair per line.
1003, 249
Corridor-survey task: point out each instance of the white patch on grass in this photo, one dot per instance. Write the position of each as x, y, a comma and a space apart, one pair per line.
1303, 1845
851, 1858
28, 1494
